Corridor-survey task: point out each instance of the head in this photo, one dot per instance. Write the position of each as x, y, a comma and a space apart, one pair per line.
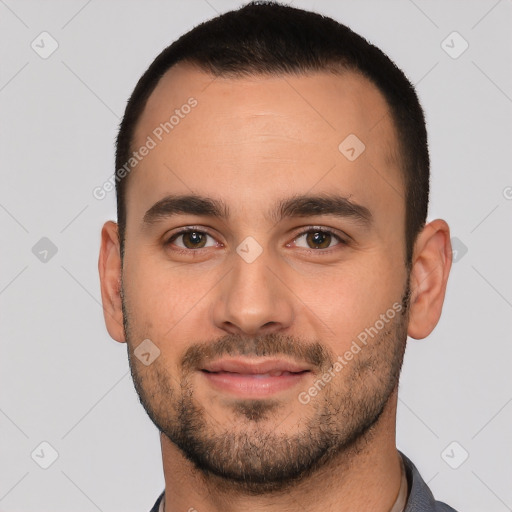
277, 213
233, 46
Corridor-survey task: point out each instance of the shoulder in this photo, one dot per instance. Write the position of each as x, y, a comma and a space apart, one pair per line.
156, 506
421, 498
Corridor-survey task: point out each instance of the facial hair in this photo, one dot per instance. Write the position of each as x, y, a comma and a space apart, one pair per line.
249, 454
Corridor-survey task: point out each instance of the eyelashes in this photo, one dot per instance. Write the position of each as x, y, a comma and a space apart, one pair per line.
202, 236
193, 239
319, 231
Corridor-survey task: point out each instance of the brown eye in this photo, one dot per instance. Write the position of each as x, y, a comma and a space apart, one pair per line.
317, 239
194, 240
191, 239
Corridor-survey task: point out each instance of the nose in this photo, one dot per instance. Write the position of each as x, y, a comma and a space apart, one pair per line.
252, 300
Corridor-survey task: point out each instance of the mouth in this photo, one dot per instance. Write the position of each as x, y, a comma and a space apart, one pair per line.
254, 378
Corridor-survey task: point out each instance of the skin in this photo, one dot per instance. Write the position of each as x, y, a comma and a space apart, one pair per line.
251, 143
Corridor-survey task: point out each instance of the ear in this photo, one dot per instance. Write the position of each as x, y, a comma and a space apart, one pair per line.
109, 266
431, 265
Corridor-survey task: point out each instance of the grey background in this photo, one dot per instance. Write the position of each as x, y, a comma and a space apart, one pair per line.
64, 381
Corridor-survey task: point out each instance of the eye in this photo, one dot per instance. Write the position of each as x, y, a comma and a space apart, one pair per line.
317, 238
314, 238
190, 238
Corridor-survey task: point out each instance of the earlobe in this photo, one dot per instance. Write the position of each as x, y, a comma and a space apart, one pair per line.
109, 266
431, 265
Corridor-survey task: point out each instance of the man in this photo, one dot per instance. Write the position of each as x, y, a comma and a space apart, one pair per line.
270, 258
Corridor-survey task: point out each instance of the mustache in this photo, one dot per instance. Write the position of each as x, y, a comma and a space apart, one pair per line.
274, 344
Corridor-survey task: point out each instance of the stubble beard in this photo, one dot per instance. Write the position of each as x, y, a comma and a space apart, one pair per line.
249, 454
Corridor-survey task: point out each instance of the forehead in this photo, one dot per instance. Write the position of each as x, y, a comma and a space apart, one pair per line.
346, 100
265, 135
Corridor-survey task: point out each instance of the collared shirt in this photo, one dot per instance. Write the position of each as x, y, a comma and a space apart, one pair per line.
401, 499
416, 495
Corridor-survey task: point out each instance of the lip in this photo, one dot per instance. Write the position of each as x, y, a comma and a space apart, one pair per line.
254, 366
254, 378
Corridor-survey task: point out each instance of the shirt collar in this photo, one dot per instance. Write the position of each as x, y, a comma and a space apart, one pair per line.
413, 495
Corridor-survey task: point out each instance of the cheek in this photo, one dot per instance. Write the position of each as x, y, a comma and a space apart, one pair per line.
352, 297
165, 302
150, 282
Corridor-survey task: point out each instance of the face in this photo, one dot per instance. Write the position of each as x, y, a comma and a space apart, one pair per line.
267, 267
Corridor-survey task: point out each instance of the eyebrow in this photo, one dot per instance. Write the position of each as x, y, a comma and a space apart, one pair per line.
295, 206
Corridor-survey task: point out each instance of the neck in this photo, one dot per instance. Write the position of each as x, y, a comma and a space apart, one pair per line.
365, 476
